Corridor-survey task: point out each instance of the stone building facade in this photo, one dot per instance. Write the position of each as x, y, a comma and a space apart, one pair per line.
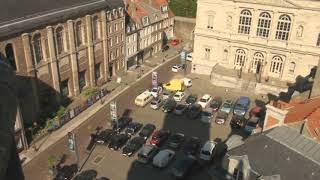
153, 22
278, 39
60, 49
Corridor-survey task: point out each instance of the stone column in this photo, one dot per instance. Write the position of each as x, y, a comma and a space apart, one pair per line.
105, 46
53, 60
90, 51
254, 23
273, 27
30, 68
73, 57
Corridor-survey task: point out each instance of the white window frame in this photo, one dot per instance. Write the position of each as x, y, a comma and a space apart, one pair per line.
245, 21
283, 27
276, 65
264, 24
240, 58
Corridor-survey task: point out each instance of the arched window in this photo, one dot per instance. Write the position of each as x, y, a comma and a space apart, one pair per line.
264, 25
59, 40
299, 31
245, 22
10, 56
37, 48
292, 67
78, 30
95, 28
240, 57
257, 58
276, 65
283, 27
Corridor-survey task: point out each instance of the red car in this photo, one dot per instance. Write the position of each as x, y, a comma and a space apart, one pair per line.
159, 137
174, 42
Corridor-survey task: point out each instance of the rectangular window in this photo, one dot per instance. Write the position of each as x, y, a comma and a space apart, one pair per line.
97, 71
110, 28
64, 88
46, 43
82, 79
207, 53
116, 27
318, 41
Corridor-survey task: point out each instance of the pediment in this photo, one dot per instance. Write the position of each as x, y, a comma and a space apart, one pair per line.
282, 3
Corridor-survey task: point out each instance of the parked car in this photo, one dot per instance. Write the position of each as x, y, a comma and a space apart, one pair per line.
178, 96
133, 145
176, 140
118, 141
180, 109
104, 136
207, 151
183, 167
221, 117
251, 124
187, 82
176, 68
256, 111
159, 137
191, 146
156, 103
194, 111
167, 95
237, 122
216, 103
165, 48
174, 85
147, 130
189, 57
143, 98
191, 99
122, 123
133, 128
169, 105
156, 91
163, 158
227, 106
174, 42
206, 117
146, 153
241, 106
205, 100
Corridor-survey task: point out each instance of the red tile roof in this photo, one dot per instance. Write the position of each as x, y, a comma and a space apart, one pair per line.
313, 122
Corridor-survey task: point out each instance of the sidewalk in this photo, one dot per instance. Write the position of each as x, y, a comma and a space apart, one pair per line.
127, 79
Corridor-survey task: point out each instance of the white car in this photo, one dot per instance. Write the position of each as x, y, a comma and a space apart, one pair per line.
156, 91
163, 158
156, 103
179, 96
205, 100
176, 68
207, 151
189, 57
187, 82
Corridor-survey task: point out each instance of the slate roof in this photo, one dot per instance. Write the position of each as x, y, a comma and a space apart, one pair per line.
268, 156
18, 16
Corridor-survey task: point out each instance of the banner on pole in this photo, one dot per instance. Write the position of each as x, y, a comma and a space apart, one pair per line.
154, 79
113, 111
71, 142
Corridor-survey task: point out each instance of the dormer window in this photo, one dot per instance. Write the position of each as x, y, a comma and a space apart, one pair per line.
145, 20
108, 15
156, 17
164, 8
128, 29
114, 13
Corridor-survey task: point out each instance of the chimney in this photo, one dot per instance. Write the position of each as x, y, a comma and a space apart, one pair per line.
315, 91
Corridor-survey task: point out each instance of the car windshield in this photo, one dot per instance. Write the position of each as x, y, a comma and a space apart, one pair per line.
251, 124
191, 98
226, 105
206, 153
153, 103
206, 113
240, 107
177, 95
154, 90
180, 106
203, 100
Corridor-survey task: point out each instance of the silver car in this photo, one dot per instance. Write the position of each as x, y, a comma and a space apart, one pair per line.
227, 106
156, 103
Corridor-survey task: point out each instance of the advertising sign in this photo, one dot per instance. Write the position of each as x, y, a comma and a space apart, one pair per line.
113, 111
71, 142
154, 79
183, 56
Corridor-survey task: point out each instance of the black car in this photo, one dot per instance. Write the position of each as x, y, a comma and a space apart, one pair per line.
147, 130
165, 48
194, 111
216, 103
104, 136
176, 140
123, 122
133, 128
192, 146
169, 105
118, 141
180, 109
133, 146
191, 99
237, 122
183, 167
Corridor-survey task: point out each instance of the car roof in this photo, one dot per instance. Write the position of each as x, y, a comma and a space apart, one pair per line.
206, 96
179, 92
209, 145
146, 149
243, 100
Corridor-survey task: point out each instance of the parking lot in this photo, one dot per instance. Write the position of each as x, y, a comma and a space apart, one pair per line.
113, 165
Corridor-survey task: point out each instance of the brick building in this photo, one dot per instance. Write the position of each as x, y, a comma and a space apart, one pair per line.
60, 48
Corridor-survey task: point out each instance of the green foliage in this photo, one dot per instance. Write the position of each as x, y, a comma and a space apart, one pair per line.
52, 161
185, 8
61, 112
91, 92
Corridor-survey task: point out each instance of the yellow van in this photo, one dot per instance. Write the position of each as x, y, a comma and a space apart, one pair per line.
174, 85
143, 99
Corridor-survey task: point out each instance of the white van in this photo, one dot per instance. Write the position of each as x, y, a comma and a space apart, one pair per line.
207, 151
189, 57
187, 82
143, 99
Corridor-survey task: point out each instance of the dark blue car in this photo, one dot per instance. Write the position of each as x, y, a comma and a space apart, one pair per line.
241, 106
